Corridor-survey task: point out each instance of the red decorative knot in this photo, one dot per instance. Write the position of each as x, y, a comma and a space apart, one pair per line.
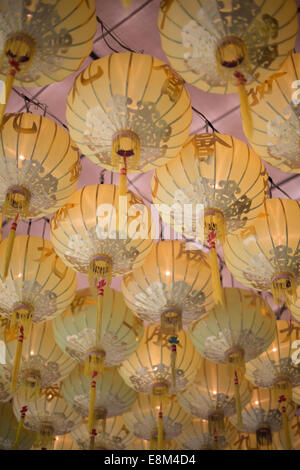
21, 335
24, 410
100, 286
281, 399
94, 433
173, 347
160, 415
236, 379
15, 66
241, 79
14, 224
211, 239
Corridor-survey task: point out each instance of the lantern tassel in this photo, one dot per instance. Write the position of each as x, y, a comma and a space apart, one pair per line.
286, 430
215, 229
10, 245
20, 427
244, 104
92, 403
160, 430
238, 401
17, 362
92, 439
215, 276
123, 179
216, 447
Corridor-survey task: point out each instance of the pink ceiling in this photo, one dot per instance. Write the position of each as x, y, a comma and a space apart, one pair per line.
136, 27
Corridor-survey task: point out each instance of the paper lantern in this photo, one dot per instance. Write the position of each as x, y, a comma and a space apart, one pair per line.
266, 256
44, 42
113, 396
171, 288
76, 334
212, 397
263, 418
235, 333
116, 436
275, 114
223, 47
223, 180
43, 364
197, 437
38, 287
8, 428
48, 416
276, 369
129, 112
39, 169
142, 421
149, 370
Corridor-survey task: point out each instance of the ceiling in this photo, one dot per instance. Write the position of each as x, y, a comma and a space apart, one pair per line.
136, 29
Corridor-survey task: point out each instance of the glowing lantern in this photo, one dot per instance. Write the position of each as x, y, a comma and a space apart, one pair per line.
143, 421
275, 114
263, 418
235, 333
115, 437
266, 256
113, 396
129, 112
39, 169
44, 42
172, 287
212, 397
222, 47
223, 175
197, 437
38, 287
276, 369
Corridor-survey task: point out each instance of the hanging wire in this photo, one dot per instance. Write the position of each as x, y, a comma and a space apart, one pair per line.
277, 187
106, 32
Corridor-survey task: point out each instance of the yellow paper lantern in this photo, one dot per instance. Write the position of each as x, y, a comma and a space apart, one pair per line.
8, 429
222, 174
115, 437
235, 333
75, 328
48, 416
171, 288
197, 437
38, 287
275, 369
44, 42
76, 334
266, 256
39, 169
43, 362
142, 421
223, 47
113, 396
129, 112
149, 369
275, 114
263, 418
212, 397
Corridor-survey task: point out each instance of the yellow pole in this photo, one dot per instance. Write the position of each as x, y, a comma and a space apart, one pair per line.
20, 427
17, 362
